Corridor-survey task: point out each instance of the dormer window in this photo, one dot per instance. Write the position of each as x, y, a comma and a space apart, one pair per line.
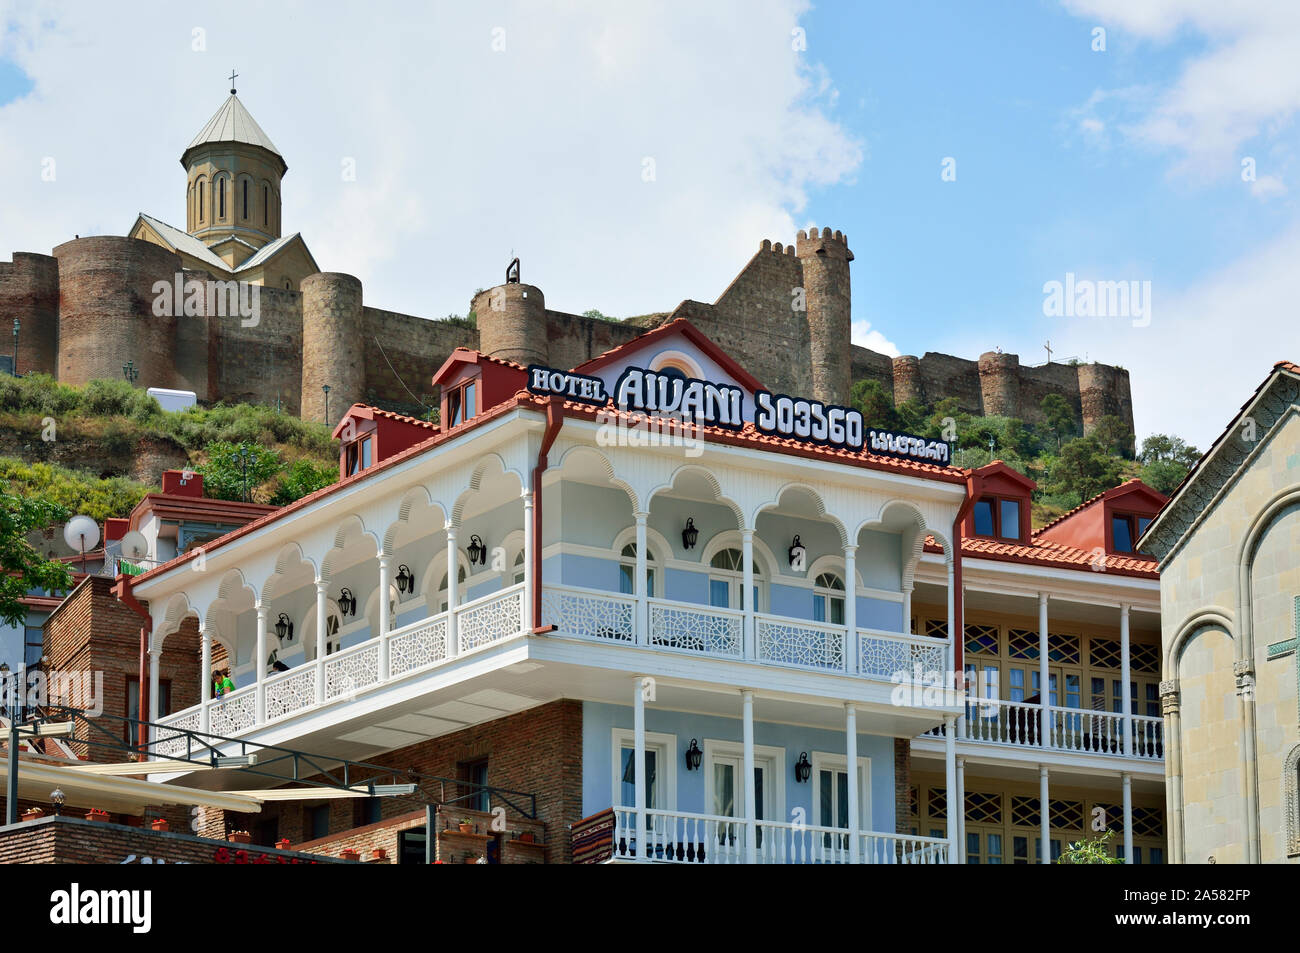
997, 516
1125, 529
358, 456
462, 403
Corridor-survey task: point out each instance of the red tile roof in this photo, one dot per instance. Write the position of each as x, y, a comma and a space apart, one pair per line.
1053, 555
368, 412
693, 334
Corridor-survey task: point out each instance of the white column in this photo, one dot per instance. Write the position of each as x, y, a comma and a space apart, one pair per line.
1128, 817
953, 634
851, 609
907, 610
322, 618
751, 825
385, 623
955, 808
747, 587
205, 637
961, 800
638, 763
1044, 817
1044, 696
453, 572
1125, 689
530, 584
153, 689
259, 662
640, 585
851, 763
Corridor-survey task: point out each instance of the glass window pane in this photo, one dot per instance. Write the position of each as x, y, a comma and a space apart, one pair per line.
649, 580
826, 797
984, 518
1010, 519
1120, 534
724, 790
719, 593
626, 580
365, 453
1016, 684
819, 608
842, 793
471, 405
837, 612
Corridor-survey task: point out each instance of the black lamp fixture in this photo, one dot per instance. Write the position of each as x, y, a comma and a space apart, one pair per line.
347, 602
283, 628
694, 756
797, 553
802, 768
690, 534
405, 580
476, 551
57, 798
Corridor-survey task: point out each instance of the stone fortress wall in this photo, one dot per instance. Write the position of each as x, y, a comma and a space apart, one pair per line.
87, 309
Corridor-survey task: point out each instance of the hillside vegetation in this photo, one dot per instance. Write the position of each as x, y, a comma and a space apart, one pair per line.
285, 458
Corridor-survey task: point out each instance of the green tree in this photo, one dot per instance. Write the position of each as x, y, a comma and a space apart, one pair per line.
301, 478
22, 568
1113, 435
1093, 850
1059, 417
224, 472
1166, 461
1084, 468
876, 405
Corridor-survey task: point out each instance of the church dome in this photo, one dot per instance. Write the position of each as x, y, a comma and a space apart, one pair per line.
233, 123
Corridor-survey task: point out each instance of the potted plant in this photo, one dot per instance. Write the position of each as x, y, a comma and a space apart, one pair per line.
240, 837
160, 824
466, 826
33, 813
350, 854
95, 814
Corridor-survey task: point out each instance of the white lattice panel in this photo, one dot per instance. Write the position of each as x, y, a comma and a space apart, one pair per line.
790, 643
418, 647
490, 621
233, 713
886, 657
175, 745
590, 616
347, 674
696, 630
294, 692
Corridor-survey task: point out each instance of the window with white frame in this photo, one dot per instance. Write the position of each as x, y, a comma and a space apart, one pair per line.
627, 570
660, 770
828, 598
460, 589
727, 580
517, 572
333, 630
725, 792
831, 791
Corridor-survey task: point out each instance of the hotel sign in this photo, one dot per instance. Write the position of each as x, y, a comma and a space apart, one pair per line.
705, 403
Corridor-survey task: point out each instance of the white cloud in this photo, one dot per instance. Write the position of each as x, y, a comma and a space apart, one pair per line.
1246, 83
463, 155
864, 335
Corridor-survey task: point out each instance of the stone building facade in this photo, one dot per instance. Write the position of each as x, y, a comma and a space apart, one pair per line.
1230, 605
92, 306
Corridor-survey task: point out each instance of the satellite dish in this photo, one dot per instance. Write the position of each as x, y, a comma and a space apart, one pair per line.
134, 545
81, 534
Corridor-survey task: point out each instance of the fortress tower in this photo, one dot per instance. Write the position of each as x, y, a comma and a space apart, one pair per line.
512, 321
825, 259
332, 346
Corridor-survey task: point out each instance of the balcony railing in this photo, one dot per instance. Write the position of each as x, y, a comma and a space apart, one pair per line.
344, 675
676, 837
709, 630
1020, 724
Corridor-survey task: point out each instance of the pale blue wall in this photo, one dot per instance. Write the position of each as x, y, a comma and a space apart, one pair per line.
600, 719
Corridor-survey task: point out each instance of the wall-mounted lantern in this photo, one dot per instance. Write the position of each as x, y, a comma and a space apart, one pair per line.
347, 602
797, 554
802, 768
694, 756
690, 534
405, 580
283, 628
476, 551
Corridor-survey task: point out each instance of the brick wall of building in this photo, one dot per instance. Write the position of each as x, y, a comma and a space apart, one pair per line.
902, 784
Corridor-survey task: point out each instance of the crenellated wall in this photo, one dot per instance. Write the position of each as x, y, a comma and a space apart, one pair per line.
786, 317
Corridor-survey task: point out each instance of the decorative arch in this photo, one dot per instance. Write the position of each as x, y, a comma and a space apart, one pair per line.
305, 634
658, 551
351, 530
411, 502
1263, 521
289, 557
902, 516
731, 539
1207, 617
677, 360
812, 492
433, 574
832, 563
581, 451
1291, 800
714, 485
489, 465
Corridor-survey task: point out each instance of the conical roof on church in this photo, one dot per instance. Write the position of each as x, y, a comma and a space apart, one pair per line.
233, 123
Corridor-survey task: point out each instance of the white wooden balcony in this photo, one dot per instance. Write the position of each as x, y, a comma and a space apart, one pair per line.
995, 721
427, 645
677, 837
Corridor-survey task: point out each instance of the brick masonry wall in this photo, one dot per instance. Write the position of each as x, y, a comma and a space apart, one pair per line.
537, 751
415, 347
69, 840
902, 784
29, 291
261, 364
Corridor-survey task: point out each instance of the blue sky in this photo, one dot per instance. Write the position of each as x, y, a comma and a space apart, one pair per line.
1114, 165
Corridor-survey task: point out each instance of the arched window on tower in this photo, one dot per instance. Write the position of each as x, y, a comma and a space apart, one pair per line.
200, 196
221, 199
245, 215
266, 205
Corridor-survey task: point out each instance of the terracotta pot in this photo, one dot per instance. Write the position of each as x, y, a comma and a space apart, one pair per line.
350, 854
240, 837
95, 814
32, 813
379, 854
160, 824
283, 843
467, 828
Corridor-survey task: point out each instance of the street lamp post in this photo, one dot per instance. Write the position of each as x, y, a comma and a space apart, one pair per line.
326, 389
17, 324
130, 372
243, 458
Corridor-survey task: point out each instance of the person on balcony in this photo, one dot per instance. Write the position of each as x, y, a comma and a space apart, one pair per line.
221, 683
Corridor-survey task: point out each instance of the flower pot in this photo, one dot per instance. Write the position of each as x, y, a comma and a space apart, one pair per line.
379, 854
32, 813
283, 844
350, 854
240, 837
160, 824
467, 828
95, 814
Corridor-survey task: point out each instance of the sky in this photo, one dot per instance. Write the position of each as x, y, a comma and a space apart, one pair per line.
635, 155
